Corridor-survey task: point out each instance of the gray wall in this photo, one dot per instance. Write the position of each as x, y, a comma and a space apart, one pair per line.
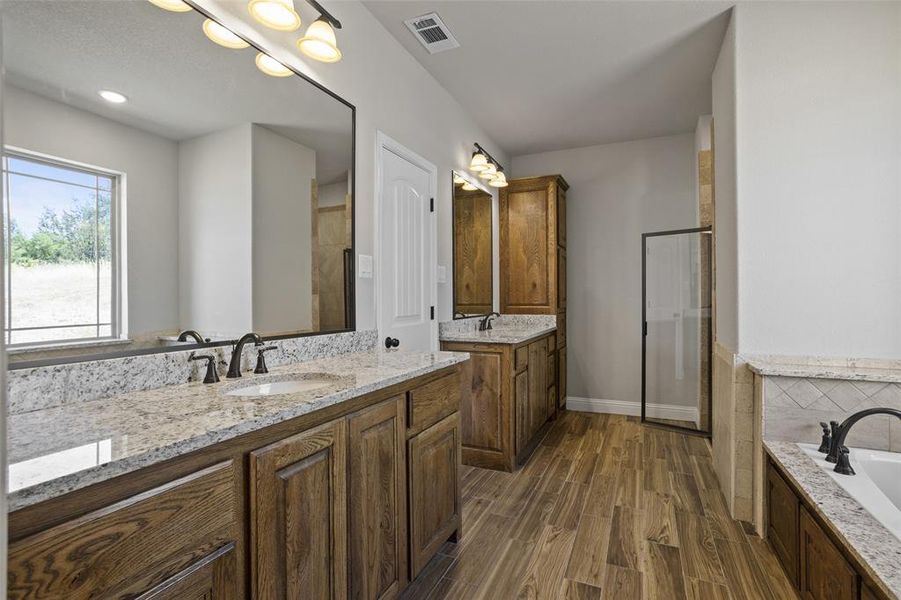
617, 192
150, 163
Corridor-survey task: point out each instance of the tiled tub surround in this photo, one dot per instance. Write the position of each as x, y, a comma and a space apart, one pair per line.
40, 388
794, 405
506, 329
871, 543
135, 430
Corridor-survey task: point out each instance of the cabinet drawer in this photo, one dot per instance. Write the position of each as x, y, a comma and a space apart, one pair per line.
133, 546
428, 404
521, 358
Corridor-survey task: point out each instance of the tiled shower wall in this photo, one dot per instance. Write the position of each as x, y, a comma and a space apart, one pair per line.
794, 407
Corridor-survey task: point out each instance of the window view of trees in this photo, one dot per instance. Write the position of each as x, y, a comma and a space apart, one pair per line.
71, 235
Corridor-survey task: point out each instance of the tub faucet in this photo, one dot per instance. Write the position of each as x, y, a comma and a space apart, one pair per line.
840, 455
234, 366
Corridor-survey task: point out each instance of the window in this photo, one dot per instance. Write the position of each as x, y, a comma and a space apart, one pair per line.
59, 222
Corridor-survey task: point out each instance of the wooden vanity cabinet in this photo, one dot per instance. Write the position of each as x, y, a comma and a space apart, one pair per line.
348, 501
512, 396
819, 567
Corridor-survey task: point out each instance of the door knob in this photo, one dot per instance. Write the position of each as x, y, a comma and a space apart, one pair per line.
391, 342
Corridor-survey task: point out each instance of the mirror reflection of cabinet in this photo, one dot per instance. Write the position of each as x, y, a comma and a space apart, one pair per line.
473, 240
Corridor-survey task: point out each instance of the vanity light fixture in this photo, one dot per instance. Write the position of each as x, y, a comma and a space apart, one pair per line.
172, 5
222, 35
469, 187
113, 97
275, 14
458, 179
484, 165
320, 43
270, 66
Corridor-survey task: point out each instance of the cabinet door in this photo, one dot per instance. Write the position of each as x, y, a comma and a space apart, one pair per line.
825, 574
782, 522
561, 377
211, 578
434, 457
527, 252
377, 501
523, 411
483, 413
537, 385
298, 512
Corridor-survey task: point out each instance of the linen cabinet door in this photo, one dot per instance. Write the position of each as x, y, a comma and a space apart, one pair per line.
378, 500
298, 515
435, 507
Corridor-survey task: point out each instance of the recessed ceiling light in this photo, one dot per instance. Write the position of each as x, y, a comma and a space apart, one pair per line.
222, 35
111, 96
270, 66
173, 5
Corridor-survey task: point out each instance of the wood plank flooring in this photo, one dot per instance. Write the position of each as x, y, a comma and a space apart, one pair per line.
604, 509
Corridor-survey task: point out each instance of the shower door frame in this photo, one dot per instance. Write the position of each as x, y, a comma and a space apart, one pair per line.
644, 333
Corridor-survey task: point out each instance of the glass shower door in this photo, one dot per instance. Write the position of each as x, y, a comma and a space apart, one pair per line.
677, 329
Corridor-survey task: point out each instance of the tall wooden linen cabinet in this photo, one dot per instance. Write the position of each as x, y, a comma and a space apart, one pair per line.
533, 256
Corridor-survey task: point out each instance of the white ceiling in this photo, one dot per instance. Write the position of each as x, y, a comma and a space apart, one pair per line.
179, 84
548, 75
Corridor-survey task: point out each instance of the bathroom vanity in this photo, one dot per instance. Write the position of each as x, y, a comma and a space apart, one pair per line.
344, 489
512, 396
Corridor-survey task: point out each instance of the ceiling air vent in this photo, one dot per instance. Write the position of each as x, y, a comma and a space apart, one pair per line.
432, 33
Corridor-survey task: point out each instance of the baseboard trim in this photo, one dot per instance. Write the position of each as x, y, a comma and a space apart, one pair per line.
623, 407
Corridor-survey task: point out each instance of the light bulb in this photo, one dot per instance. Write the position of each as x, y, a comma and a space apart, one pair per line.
488, 172
479, 162
222, 35
275, 14
319, 43
499, 181
112, 97
173, 5
469, 187
270, 66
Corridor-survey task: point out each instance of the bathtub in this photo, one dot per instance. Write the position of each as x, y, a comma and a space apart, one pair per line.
876, 486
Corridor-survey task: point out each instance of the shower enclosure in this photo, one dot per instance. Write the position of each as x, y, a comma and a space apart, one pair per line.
677, 329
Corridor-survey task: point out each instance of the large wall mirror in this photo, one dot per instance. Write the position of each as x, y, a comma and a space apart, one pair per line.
473, 229
158, 182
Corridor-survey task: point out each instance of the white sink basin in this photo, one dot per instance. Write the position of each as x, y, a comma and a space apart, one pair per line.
275, 388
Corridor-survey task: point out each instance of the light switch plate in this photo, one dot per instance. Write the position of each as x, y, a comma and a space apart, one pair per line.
364, 266
442, 274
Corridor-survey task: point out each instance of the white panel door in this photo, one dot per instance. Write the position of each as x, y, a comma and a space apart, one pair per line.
406, 252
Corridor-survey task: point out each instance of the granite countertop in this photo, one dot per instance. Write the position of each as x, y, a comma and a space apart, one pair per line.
499, 334
57, 450
873, 545
785, 369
